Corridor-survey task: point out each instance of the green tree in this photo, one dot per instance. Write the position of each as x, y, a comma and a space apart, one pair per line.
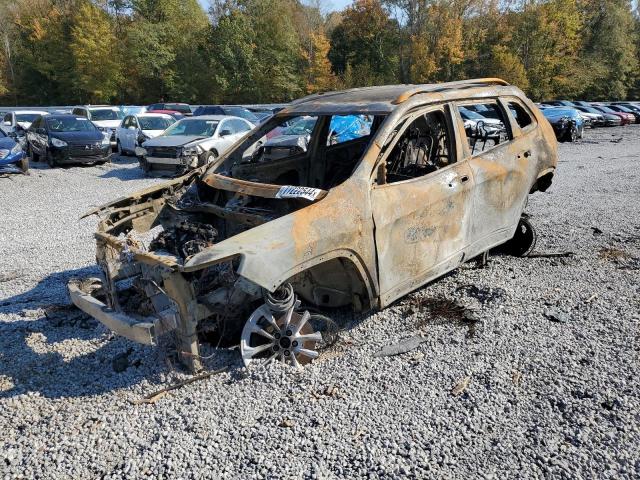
367, 40
92, 48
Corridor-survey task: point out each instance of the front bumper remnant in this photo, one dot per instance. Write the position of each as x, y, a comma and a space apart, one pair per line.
144, 330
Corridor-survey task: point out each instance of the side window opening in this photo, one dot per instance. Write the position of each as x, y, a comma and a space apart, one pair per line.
484, 125
520, 114
423, 148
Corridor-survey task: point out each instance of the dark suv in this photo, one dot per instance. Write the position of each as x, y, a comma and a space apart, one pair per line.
183, 108
229, 110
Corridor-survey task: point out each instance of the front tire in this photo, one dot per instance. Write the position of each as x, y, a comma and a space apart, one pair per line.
23, 164
50, 160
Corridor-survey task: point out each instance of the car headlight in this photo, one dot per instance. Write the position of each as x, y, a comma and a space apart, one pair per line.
190, 151
56, 142
17, 148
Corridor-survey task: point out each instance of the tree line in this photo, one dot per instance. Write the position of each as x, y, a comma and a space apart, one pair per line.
55, 52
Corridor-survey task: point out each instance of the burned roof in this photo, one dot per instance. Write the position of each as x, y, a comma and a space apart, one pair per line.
381, 99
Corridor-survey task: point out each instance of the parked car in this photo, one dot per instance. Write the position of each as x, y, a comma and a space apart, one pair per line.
635, 106
591, 119
172, 113
18, 121
626, 118
238, 245
12, 157
183, 108
567, 123
191, 143
560, 103
230, 110
60, 139
623, 109
104, 117
479, 127
608, 119
137, 129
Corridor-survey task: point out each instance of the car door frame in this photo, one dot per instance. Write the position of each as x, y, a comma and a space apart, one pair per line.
450, 176
490, 227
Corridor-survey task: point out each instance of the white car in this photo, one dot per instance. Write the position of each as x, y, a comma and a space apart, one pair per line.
106, 118
19, 120
137, 129
192, 142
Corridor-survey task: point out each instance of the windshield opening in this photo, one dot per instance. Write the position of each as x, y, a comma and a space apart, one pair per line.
70, 124
192, 127
318, 151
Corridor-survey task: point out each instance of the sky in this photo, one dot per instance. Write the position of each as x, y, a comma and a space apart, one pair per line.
328, 5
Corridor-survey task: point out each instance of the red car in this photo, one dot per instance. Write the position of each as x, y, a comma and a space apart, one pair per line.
626, 118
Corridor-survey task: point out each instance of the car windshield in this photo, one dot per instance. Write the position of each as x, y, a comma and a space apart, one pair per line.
106, 114
621, 108
26, 117
303, 126
589, 110
70, 124
242, 113
193, 127
557, 112
470, 114
604, 109
177, 107
154, 123
130, 110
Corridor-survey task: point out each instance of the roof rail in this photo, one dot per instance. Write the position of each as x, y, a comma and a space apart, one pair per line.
439, 87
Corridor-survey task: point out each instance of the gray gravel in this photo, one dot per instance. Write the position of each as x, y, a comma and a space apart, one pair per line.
544, 385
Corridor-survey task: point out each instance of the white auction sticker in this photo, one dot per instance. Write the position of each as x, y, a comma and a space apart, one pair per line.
289, 191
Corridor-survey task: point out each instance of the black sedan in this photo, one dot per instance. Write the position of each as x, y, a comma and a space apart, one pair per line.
62, 139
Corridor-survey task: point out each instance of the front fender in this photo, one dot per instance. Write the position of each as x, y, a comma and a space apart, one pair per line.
340, 225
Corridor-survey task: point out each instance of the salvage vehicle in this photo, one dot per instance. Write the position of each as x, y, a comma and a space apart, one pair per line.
137, 129
182, 108
104, 117
13, 159
567, 123
191, 143
608, 119
63, 139
248, 249
626, 118
623, 109
18, 121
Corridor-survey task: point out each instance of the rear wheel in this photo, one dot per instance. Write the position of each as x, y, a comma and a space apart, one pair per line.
206, 158
524, 239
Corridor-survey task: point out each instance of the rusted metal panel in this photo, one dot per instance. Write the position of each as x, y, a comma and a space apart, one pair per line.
387, 238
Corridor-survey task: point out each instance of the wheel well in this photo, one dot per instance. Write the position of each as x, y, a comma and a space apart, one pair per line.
334, 283
542, 183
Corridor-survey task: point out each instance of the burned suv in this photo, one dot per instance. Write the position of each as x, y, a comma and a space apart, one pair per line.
248, 247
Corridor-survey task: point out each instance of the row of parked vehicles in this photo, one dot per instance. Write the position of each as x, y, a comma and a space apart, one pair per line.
90, 133
173, 138
570, 118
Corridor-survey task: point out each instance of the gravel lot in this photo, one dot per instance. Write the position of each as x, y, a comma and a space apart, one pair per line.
544, 386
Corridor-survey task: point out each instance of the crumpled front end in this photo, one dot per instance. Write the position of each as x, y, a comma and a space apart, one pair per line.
152, 284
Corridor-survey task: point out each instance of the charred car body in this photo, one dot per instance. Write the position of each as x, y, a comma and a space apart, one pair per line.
234, 248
